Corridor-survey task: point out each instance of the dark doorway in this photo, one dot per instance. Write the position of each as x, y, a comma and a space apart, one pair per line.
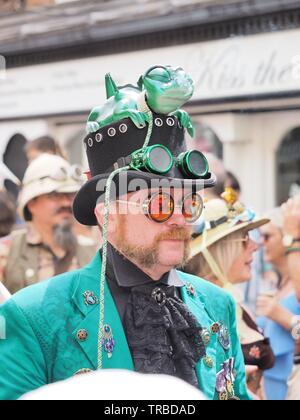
288, 166
15, 159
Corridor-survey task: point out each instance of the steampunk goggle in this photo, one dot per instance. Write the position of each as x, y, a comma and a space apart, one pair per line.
159, 160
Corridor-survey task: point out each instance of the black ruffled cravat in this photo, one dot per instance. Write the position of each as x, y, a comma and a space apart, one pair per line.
163, 335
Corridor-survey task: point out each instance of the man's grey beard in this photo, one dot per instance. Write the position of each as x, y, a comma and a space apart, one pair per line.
64, 237
148, 257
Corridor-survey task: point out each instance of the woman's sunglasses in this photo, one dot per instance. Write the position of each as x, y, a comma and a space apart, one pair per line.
266, 237
245, 240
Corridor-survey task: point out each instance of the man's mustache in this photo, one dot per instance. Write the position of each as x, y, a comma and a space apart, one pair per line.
176, 234
64, 210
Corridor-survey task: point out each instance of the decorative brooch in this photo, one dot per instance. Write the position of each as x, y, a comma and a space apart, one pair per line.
108, 341
90, 299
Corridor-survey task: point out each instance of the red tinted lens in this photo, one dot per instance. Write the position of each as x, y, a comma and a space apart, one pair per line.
160, 207
192, 207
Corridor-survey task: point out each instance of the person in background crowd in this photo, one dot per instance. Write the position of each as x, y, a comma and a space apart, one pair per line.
48, 245
251, 288
277, 311
223, 254
291, 228
231, 181
291, 214
41, 145
47, 144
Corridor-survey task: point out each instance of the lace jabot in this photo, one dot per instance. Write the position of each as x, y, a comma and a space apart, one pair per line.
163, 335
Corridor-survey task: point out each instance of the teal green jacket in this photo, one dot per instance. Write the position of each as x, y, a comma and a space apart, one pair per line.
42, 322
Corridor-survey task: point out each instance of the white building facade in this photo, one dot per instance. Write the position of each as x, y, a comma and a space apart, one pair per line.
247, 91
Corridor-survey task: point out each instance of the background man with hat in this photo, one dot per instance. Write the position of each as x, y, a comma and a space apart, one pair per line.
48, 245
130, 309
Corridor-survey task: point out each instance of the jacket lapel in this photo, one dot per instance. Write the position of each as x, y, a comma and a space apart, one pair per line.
89, 281
198, 305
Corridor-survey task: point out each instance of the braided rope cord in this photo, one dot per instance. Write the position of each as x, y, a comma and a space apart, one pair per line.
105, 243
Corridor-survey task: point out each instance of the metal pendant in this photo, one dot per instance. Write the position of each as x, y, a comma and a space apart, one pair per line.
108, 341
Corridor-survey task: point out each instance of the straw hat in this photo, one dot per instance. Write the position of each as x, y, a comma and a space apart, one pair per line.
221, 218
45, 175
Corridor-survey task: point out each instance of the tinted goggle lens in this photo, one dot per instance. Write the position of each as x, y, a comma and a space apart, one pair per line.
160, 207
193, 164
159, 160
192, 207
156, 159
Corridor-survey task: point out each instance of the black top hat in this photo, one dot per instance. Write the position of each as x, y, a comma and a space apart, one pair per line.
119, 140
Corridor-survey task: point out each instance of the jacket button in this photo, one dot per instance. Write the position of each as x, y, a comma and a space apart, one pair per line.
208, 361
215, 328
205, 334
82, 335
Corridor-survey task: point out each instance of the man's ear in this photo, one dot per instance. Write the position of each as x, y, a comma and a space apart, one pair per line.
99, 213
31, 206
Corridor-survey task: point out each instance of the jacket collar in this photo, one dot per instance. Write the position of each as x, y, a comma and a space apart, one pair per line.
129, 275
89, 281
33, 237
197, 301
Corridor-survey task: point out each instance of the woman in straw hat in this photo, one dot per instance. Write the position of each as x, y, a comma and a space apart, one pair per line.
222, 252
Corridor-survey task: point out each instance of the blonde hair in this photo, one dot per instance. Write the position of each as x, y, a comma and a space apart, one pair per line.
224, 252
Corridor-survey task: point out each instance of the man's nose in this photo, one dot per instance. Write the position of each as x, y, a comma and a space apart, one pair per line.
177, 220
66, 200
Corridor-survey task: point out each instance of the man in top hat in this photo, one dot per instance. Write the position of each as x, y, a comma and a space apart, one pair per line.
130, 308
47, 246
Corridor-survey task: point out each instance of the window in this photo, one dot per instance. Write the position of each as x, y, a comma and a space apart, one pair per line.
288, 166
